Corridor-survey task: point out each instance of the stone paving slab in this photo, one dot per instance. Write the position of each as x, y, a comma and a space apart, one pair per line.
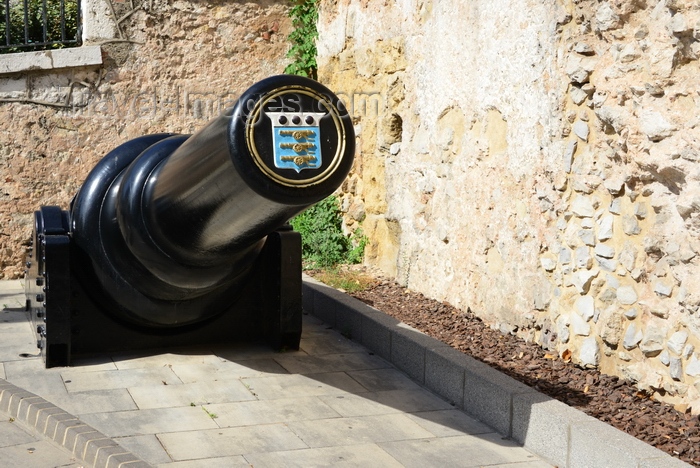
150, 421
329, 342
230, 441
358, 430
147, 446
255, 412
219, 462
459, 451
16, 334
386, 402
190, 394
316, 364
359, 456
227, 370
78, 381
36, 454
447, 423
379, 380
299, 386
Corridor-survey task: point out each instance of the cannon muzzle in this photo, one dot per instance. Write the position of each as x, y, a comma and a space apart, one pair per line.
181, 239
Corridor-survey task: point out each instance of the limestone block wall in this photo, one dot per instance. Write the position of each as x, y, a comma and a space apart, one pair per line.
535, 161
166, 66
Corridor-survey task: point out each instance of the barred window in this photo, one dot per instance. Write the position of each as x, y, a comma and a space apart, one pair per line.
30, 25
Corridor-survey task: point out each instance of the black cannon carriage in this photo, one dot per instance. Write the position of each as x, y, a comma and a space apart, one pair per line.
176, 239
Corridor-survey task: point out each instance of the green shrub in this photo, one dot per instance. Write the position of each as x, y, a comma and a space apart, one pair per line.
304, 14
323, 244
35, 22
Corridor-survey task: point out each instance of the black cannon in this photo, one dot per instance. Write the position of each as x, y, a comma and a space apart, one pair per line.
176, 239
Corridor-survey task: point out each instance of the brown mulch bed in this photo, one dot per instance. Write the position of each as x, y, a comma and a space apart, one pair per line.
607, 398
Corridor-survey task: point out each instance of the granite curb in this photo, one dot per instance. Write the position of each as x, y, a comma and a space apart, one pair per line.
562, 435
89, 446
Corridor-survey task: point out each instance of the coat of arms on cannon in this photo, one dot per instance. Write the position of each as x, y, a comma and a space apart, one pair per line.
177, 239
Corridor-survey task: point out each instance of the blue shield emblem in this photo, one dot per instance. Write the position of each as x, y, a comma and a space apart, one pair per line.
296, 139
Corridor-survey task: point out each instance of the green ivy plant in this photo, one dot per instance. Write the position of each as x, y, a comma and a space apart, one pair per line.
323, 244
304, 14
35, 24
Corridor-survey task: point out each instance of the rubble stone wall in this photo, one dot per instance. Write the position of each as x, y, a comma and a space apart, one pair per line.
535, 161
168, 66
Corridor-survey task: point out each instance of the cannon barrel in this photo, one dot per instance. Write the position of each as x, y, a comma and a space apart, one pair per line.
170, 232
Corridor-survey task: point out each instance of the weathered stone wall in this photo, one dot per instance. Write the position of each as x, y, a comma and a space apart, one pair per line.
175, 65
535, 161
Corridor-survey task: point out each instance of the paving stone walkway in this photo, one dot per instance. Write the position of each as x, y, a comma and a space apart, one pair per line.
333, 403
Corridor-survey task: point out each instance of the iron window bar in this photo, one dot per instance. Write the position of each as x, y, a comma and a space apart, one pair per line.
39, 25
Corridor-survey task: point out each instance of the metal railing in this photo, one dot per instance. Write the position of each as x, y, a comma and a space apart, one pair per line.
28, 25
